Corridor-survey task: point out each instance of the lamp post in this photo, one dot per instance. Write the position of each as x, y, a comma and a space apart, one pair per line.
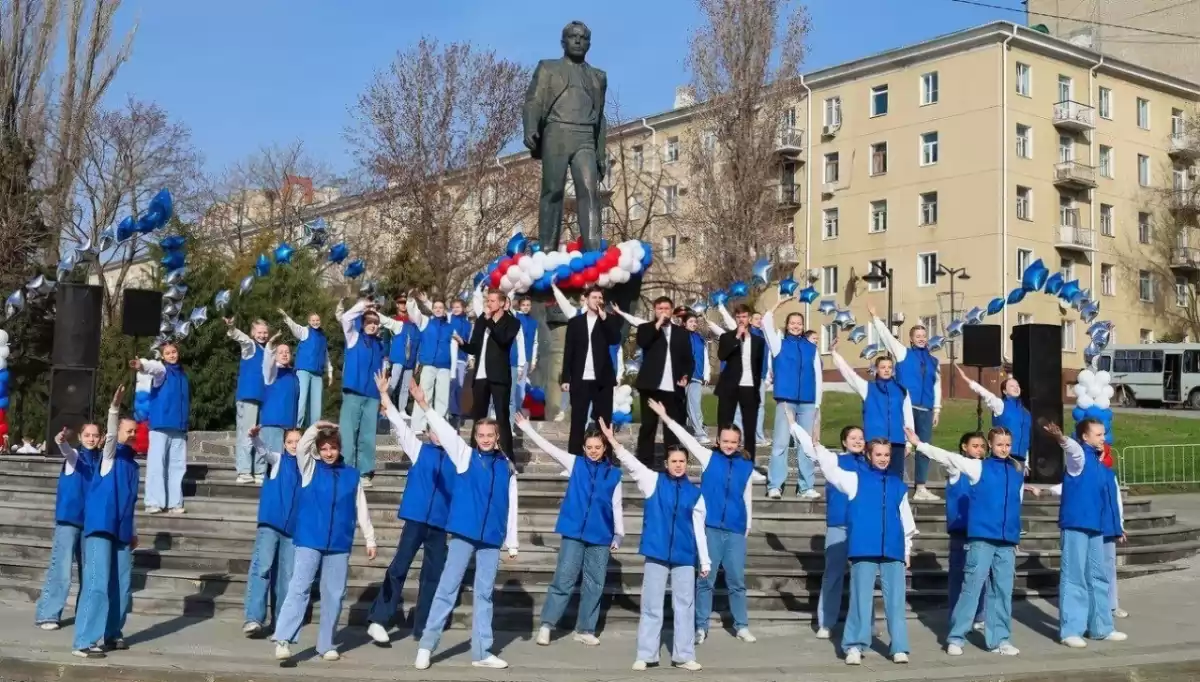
953, 274
879, 275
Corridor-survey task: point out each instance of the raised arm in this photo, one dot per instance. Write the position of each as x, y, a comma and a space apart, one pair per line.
405, 437
565, 459
893, 345
1072, 450
564, 303
906, 412
645, 479
686, 439
298, 331
845, 481
770, 333
972, 468
306, 453
995, 404
157, 370
348, 319
114, 422
477, 302
730, 323
269, 369
390, 323
856, 383
631, 319
415, 314
510, 537
244, 342
699, 512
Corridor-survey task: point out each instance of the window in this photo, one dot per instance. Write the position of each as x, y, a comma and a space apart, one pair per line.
1024, 141
1024, 318
1024, 203
927, 265
829, 280
879, 266
879, 158
708, 138
930, 323
1067, 213
638, 156
1066, 149
1064, 88
1181, 291
929, 88
1143, 113
668, 247
1024, 260
1143, 228
878, 216
833, 112
929, 208
929, 148
637, 207
1104, 102
1143, 170
1179, 180
1066, 266
1106, 161
1106, 220
1147, 336
1108, 283
1145, 286
672, 154
879, 100
829, 332
670, 199
1068, 336
1177, 122
830, 222
1024, 79
831, 167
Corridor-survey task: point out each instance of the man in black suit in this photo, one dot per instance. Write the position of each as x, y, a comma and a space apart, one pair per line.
667, 367
587, 369
494, 333
743, 354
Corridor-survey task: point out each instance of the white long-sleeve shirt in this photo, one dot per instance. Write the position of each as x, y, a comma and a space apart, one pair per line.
156, 369
900, 351
301, 334
108, 449
704, 456
731, 325
248, 345
775, 345
956, 463
306, 459
994, 403
647, 482
356, 311
272, 456
519, 342
860, 386
270, 365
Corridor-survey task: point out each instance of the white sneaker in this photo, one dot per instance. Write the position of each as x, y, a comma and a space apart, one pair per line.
746, 636
1120, 613
954, 650
258, 479
1006, 649
853, 657
245, 478
560, 418
153, 510
690, 666
378, 633
1075, 642
1116, 636
283, 651
543, 636
492, 661
810, 495
366, 482
331, 655
176, 510
823, 633
978, 626
422, 662
774, 494
704, 440
586, 639
900, 658
764, 443
701, 635
48, 626
922, 494
639, 665
251, 628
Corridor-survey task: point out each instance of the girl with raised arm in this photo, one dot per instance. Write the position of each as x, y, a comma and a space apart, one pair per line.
1007, 411
271, 562
798, 385
837, 510
886, 409
972, 445
170, 409
312, 361
281, 395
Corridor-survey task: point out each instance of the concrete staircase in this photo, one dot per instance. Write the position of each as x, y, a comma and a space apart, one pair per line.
195, 564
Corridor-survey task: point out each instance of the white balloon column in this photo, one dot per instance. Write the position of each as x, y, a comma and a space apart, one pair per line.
1093, 399
3, 384
623, 405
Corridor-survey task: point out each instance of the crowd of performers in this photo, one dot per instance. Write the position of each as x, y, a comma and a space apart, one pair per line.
461, 494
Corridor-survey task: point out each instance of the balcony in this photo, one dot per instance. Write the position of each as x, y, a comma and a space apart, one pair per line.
1071, 236
786, 255
1185, 258
1074, 116
787, 196
1074, 175
1185, 203
789, 143
1184, 146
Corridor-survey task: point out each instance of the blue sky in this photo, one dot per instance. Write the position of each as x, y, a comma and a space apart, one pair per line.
248, 73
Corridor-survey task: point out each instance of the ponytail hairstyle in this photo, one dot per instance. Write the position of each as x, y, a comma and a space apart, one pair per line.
878, 441
733, 427
969, 436
997, 431
672, 449
1083, 426
609, 456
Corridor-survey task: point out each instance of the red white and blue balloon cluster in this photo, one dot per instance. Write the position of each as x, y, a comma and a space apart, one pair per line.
526, 267
3, 384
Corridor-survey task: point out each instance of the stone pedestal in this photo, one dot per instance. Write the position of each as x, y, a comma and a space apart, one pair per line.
552, 334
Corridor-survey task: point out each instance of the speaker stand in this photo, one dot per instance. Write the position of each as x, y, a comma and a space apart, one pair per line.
979, 401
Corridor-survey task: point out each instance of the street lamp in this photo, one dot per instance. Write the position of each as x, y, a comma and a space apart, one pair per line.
953, 274
879, 275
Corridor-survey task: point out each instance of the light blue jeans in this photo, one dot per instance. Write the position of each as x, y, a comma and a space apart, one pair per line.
487, 562
399, 383
436, 384
861, 615
57, 586
654, 592
165, 465
575, 557
309, 408
829, 605
1110, 558
954, 576
357, 426
727, 550
333, 590
695, 413
105, 598
246, 460
518, 392
923, 426
992, 565
1084, 605
270, 566
777, 469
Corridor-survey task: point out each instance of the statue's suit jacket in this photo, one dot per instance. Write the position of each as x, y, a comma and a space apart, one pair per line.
549, 82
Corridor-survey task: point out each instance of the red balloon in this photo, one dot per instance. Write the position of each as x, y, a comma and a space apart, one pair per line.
504, 264
590, 274
576, 281
614, 253
496, 277
604, 265
611, 259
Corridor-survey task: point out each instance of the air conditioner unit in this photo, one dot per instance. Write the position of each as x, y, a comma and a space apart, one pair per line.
831, 130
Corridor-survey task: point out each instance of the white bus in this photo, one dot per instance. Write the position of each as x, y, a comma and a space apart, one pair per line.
1153, 374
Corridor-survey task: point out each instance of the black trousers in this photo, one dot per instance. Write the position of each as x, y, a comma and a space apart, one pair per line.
490, 393
674, 402
585, 395
746, 398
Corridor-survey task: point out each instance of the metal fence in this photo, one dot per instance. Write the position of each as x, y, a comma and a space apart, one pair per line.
1159, 465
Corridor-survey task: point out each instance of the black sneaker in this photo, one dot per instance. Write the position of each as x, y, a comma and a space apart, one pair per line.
90, 652
117, 644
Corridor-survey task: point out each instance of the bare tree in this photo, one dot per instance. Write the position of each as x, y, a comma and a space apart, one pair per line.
745, 61
429, 130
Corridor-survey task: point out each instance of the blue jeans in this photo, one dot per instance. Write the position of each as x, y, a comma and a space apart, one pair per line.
399, 383
487, 562
105, 597
413, 537
165, 465
923, 425
245, 458
437, 386
333, 590
518, 392
727, 550
308, 410
358, 427
270, 566
272, 437
992, 565
695, 413
829, 605
574, 557
896, 466
861, 615
1083, 600
57, 586
654, 592
954, 577
781, 440
1110, 559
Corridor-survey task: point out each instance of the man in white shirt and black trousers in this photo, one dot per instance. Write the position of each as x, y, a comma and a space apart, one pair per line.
587, 368
494, 333
743, 354
667, 366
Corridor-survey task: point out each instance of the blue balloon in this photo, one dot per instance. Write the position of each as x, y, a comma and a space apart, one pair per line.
175, 241
718, 298
739, 289
649, 257
173, 260
1055, 283
262, 266
995, 306
479, 277
1016, 296
163, 204
604, 245
576, 264
355, 268
516, 244
590, 258
1070, 290
126, 228
283, 254
1078, 414
150, 221
562, 273
4, 403
761, 271
808, 295
339, 252
535, 247
1034, 277
788, 286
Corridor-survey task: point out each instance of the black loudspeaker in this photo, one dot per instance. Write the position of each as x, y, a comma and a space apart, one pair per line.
1037, 366
77, 320
72, 400
981, 346
141, 310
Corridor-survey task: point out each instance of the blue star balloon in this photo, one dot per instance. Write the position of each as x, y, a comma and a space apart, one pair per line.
827, 307
173, 260
808, 295
1101, 338
1090, 353
858, 334
535, 247
739, 289
935, 343
175, 241
1054, 283
844, 319
1089, 312
14, 303
762, 272
699, 307
150, 221
1034, 277
126, 229
1069, 291
975, 316
954, 329
355, 268
221, 300
247, 282
1016, 296
262, 266
1084, 298
869, 352
516, 244
163, 204
283, 254
478, 279
788, 286
718, 298
339, 252
996, 305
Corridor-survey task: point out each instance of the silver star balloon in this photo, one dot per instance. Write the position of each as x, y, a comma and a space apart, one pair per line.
844, 319
167, 326
176, 276
14, 303
183, 329
367, 290
1085, 297
198, 316
176, 293
247, 283
699, 307
170, 309
158, 343
1090, 353
1089, 312
1101, 338
108, 238
869, 352
221, 300
975, 315
315, 234
935, 343
858, 334
34, 286
954, 329
827, 307
66, 265
85, 250
1102, 324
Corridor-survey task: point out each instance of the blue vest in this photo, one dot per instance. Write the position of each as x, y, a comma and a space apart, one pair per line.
250, 384
996, 503
277, 506
883, 410
699, 353
312, 353
171, 401
917, 373
587, 510
1016, 419
404, 346
328, 509
837, 505
1087, 500
112, 499
462, 325
1110, 521
529, 327
667, 533
72, 490
280, 401
875, 531
723, 485
958, 504
796, 369
429, 488
434, 348
479, 506
363, 360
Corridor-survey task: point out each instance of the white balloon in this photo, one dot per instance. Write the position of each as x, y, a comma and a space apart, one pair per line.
526, 281
638, 252
539, 258
536, 271
1103, 377
604, 280
553, 259
637, 267
624, 390
625, 262
4, 352
1102, 403
1096, 390
525, 261
1086, 377
1084, 400
1109, 392
506, 284
620, 276
3, 338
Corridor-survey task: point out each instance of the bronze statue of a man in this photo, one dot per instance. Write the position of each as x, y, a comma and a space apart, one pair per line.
564, 127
